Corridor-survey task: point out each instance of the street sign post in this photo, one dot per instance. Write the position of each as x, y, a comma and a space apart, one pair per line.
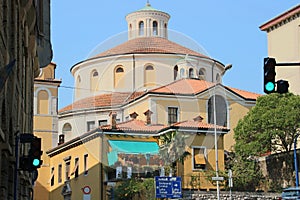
168, 187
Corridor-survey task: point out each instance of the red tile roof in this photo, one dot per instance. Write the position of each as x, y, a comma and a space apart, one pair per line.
280, 18
134, 125
184, 86
102, 100
195, 124
149, 45
244, 94
181, 87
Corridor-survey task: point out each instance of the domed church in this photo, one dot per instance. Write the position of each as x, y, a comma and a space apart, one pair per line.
136, 92
148, 64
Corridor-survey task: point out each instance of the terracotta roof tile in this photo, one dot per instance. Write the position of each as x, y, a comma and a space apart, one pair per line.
182, 86
244, 94
194, 124
185, 86
102, 100
149, 45
134, 125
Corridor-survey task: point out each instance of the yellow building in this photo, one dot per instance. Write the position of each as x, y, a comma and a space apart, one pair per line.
45, 121
25, 47
132, 97
283, 45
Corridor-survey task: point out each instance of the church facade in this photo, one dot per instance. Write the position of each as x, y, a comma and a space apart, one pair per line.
129, 99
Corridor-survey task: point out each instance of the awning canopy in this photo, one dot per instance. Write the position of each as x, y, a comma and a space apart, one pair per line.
130, 147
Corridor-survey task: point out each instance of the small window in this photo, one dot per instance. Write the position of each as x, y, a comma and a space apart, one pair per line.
52, 176
119, 70
199, 158
175, 72
85, 164
191, 73
59, 173
149, 67
75, 171
155, 32
141, 28
95, 73
201, 74
90, 125
172, 115
67, 174
102, 122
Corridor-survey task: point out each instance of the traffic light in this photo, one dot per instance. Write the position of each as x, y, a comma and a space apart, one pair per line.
32, 160
269, 75
35, 153
282, 86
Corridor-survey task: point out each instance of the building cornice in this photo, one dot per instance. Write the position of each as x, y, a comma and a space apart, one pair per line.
282, 19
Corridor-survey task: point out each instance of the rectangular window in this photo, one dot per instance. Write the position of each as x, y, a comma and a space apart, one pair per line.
52, 176
199, 158
90, 125
102, 122
75, 171
59, 173
85, 164
172, 115
67, 175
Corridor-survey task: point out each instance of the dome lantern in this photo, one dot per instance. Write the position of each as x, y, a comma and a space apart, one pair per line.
147, 22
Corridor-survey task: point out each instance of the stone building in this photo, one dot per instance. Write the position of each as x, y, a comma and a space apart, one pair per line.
24, 48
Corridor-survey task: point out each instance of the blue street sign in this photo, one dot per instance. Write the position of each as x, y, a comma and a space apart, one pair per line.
168, 187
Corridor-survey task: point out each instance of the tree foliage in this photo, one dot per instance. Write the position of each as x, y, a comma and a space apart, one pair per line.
270, 126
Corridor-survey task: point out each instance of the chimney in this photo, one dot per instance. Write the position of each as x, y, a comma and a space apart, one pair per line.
148, 114
61, 139
198, 119
113, 119
133, 115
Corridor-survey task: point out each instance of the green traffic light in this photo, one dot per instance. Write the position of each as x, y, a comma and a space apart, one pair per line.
270, 86
36, 162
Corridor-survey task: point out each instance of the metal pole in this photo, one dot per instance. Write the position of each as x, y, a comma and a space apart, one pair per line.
216, 144
295, 160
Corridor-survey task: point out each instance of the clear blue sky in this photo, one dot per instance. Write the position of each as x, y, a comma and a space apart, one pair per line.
227, 29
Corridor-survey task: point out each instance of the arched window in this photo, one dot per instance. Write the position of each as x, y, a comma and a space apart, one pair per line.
94, 80
191, 73
175, 70
155, 31
67, 131
43, 102
201, 74
141, 28
67, 128
218, 78
78, 85
119, 77
182, 73
149, 76
221, 111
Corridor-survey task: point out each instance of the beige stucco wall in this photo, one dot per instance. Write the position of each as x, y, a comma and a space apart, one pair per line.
134, 72
92, 179
284, 46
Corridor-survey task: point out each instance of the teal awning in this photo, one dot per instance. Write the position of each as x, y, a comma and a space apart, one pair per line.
130, 147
